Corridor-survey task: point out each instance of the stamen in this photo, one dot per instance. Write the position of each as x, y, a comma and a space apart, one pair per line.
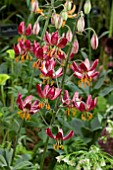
22, 58
83, 117
48, 106
17, 59
52, 82
41, 105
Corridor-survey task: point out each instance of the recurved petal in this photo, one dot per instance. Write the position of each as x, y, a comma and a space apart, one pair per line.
51, 93
27, 100
47, 37
94, 65
75, 67
57, 93
39, 91
49, 133
71, 133
54, 38
20, 102
58, 73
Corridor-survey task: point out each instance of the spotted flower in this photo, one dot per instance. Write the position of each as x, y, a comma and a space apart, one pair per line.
26, 106
84, 71
59, 137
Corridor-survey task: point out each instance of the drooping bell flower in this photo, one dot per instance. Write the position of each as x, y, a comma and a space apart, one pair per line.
69, 35
94, 42
59, 137
48, 71
26, 106
35, 7
85, 72
23, 30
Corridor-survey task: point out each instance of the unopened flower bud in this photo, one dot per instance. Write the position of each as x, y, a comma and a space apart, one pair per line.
68, 5
36, 28
34, 5
29, 30
75, 47
53, 18
80, 24
87, 7
94, 42
58, 21
69, 35
21, 28
64, 15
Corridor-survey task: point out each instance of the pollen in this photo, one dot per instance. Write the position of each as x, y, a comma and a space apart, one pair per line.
83, 117
85, 81
56, 147
41, 105
24, 115
48, 106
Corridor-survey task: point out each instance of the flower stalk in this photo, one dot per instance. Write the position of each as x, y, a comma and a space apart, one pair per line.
56, 104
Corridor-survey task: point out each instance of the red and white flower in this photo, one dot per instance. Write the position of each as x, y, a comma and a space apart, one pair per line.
59, 137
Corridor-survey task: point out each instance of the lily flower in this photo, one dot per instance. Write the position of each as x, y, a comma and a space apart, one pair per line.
55, 40
22, 49
85, 107
48, 92
84, 71
59, 137
26, 106
23, 30
67, 102
48, 71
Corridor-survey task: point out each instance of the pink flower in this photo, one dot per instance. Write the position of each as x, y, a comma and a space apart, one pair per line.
55, 40
48, 92
34, 5
84, 71
69, 35
26, 106
94, 42
85, 107
59, 137
66, 101
23, 30
47, 69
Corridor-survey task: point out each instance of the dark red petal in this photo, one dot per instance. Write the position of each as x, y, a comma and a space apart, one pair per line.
49, 133
71, 133
54, 38
20, 102
62, 42
94, 65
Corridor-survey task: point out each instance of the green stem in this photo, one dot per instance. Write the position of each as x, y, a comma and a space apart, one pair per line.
89, 36
56, 110
3, 96
111, 22
31, 80
12, 96
16, 141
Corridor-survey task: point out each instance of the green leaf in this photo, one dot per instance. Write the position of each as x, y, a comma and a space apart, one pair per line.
3, 78
100, 81
11, 53
106, 90
22, 164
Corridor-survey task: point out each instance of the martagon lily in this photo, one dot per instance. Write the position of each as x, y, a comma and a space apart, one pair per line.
48, 92
26, 106
84, 71
59, 137
48, 71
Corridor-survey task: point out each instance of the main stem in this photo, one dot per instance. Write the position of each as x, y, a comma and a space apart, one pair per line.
89, 36
111, 22
2, 94
56, 105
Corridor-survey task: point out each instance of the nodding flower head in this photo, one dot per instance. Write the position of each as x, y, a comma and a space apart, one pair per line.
59, 137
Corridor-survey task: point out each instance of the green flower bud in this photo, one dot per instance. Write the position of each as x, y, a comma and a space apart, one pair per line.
87, 7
